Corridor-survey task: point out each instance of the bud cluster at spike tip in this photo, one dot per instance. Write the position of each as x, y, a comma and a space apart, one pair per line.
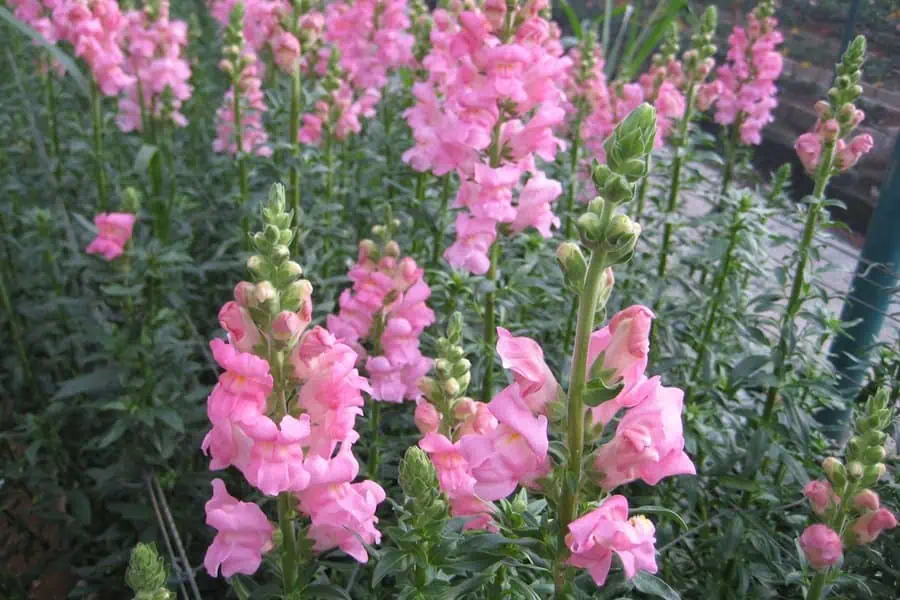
851, 512
838, 116
283, 413
486, 111
245, 70
386, 310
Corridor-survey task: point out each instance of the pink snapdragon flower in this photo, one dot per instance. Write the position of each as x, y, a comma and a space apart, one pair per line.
113, 232
607, 530
809, 149
849, 153
624, 347
155, 47
525, 358
395, 292
868, 527
515, 452
253, 136
242, 331
244, 534
747, 94
649, 441
822, 546
488, 108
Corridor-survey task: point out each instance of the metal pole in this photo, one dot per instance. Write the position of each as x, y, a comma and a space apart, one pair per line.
868, 299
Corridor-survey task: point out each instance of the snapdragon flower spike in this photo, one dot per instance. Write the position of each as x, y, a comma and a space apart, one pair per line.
386, 310
838, 117
283, 411
155, 59
245, 70
744, 93
487, 110
95, 29
850, 511
662, 86
113, 232
38, 14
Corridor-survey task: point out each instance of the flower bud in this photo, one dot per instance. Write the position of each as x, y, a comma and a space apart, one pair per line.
280, 254
464, 409
427, 417
590, 226
292, 269
874, 472
463, 381
429, 388
573, 264
460, 367
874, 455
830, 130
855, 470
286, 325
244, 294
623, 234
418, 479
823, 109
265, 292
146, 569
867, 500
296, 295
256, 263
451, 387
392, 249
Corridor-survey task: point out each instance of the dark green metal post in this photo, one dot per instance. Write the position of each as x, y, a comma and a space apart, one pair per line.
868, 298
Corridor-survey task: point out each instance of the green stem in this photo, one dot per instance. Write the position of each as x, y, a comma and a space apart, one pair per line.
53, 122
375, 452
441, 225
641, 199
573, 176
681, 143
16, 332
587, 307
289, 540
239, 144
388, 150
293, 133
730, 152
795, 300
329, 171
99, 167
712, 313
490, 329
421, 179
817, 587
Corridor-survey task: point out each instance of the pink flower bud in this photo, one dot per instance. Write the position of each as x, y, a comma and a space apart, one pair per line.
264, 292
464, 409
495, 11
286, 325
822, 546
869, 526
809, 149
867, 500
822, 108
427, 417
244, 294
830, 130
820, 495
242, 331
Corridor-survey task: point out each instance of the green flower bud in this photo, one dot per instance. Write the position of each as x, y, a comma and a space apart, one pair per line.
454, 328
131, 200
632, 139
455, 353
573, 265
451, 388
280, 254
146, 569
874, 455
461, 367
464, 380
257, 264
590, 227
855, 470
392, 249
296, 295
430, 388
622, 235
598, 204
832, 466
418, 480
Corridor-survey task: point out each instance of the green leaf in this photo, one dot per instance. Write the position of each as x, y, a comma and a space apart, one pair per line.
80, 506
659, 510
739, 484
596, 392
574, 22
325, 591
654, 586
748, 366
386, 564
144, 158
114, 434
171, 418
58, 55
101, 380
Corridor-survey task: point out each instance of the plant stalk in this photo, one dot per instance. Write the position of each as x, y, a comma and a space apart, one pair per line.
573, 175
587, 307
289, 539
99, 167
682, 142
795, 300
490, 329
817, 587
293, 133
441, 222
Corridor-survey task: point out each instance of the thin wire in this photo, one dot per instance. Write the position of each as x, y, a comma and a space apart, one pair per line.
168, 542
171, 521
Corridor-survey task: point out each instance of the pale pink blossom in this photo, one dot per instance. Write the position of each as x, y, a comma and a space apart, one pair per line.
113, 232
868, 527
474, 238
820, 496
244, 534
427, 417
525, 358
606, 530
809, 149
648, 443
822, 546
242, 331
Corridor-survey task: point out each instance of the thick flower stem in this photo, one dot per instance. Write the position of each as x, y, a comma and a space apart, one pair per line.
675, 183
16, 332
795, 300
293, 133
99, 167
375, 450
641, 199
587, 307
440, 223
731, 142
289, 540
817, 587
490, 329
